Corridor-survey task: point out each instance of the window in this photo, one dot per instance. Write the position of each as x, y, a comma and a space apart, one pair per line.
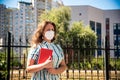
114, 37
119, 27
98, 26
114, 27
80, 14
119, 38
92, 25
1, 41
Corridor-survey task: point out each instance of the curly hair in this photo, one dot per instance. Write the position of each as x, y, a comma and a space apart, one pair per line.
38, 35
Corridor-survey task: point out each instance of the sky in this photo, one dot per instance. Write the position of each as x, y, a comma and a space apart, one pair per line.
101, 4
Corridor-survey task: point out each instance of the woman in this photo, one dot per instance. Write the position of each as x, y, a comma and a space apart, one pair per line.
50, 69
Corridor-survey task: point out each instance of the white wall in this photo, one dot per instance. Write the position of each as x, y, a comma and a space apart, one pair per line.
79, 14
89, 13
114, 17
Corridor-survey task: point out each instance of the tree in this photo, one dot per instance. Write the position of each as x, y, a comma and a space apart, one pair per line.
83, 38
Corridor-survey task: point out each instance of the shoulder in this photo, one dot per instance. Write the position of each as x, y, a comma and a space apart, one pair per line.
35, 47
59, 47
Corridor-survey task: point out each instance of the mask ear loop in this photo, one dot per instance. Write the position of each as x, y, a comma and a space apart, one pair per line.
54, 36
42, 35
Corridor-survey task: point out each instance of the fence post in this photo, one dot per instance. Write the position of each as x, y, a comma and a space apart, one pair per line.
106, 59
8, 56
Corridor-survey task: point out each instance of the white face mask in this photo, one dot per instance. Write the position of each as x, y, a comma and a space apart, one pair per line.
49, 35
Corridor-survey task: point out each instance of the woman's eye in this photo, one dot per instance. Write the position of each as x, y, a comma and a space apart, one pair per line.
50, 30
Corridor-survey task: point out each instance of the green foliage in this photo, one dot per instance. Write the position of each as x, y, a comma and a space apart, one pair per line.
86, 36
114, 64
3, 66
3, 63
15, 59
95, 64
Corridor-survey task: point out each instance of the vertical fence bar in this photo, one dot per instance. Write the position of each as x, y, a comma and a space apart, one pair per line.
97, 67
116, 77
104, 65
91, 64
26, 58
5, 48
26, 63
66, 59
73, 54
12, 59
8, 56
20, 58
79, 57
73, 66
84, 63
106, 60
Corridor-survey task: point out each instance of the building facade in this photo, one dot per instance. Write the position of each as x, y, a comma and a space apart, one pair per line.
3, 22
112, 18
39, 7
106, 23
23, 20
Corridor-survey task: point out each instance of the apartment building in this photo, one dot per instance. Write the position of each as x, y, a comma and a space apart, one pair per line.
26, 20
39, 7
23, 20
3, 22
106, 23
21, 23
4, 27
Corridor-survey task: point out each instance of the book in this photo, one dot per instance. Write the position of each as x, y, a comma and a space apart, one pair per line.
44, 55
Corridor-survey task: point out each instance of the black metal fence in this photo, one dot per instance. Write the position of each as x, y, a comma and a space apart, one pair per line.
83, 63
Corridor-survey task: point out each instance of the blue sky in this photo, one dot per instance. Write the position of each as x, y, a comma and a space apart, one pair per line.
102, 4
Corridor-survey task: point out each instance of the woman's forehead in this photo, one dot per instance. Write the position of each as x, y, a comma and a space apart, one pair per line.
49, 26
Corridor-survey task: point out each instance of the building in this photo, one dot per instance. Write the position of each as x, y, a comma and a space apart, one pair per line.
4, 12
112, 19
22, 21
26, 21
103, 22
39, 7
3, 22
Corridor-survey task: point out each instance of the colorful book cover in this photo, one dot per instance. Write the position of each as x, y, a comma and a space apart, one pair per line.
44, 55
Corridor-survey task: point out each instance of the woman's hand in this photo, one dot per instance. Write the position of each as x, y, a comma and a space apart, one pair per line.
48, 63
52, 70
34, 68
59, 70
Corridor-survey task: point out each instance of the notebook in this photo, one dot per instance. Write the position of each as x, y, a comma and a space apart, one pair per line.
44, 55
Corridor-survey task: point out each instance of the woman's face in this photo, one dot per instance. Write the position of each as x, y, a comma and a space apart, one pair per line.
48, 32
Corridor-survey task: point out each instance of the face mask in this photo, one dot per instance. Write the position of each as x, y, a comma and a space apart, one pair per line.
49, 35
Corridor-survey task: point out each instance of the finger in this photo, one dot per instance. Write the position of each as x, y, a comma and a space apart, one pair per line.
49, 57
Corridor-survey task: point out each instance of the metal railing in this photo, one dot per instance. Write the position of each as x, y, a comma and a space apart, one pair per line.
83, 63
